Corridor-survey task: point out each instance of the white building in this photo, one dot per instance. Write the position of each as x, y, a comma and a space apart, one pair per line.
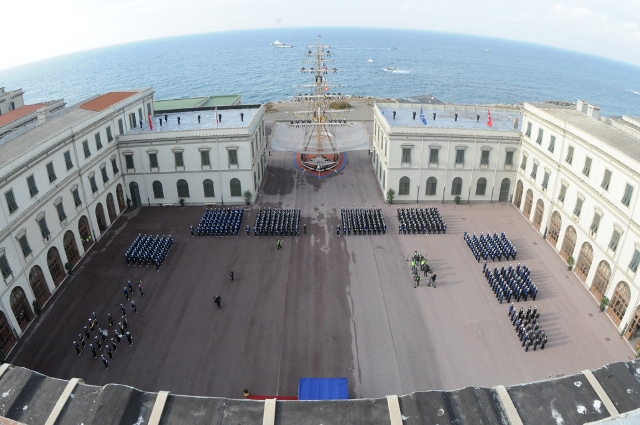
454, 154
578, 182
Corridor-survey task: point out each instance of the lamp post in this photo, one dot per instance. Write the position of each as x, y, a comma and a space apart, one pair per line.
417, 193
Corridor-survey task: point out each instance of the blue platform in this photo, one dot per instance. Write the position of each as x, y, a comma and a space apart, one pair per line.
323, 389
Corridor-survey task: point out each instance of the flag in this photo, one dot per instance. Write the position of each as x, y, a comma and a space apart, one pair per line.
489, 121
150, 123
422, 118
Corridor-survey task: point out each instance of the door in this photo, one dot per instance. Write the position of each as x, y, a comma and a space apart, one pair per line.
135, 194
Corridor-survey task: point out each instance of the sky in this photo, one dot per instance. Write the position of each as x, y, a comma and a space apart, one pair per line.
39, 29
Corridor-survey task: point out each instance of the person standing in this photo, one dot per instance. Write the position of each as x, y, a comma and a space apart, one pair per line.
231, 274
217, 299
86, 332
130, 287
110, 319
134, 307
108, 350
433, 280
113, 344
191, 229
75, 345
97, 341
121, 330
126, 293
124, 312
124, 322
81, 339
105, 361
93, 350
130, 339
140, 289
279, 244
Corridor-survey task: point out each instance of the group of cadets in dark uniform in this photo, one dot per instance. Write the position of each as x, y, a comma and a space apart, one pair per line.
511, 283
528, 327
490, 246
219, 222
276, 222
147, 250
420, 221
362, 221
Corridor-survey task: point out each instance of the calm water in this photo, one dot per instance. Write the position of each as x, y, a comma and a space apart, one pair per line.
454, 68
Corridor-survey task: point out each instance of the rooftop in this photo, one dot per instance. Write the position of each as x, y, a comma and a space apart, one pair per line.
196, 102
231, 118
19, 113
101, 103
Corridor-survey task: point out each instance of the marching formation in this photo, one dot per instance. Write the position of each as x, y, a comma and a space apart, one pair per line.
276, 222
420, 221
511, 283
420, 261
362, 221
528, 327
494, 247
102, 343
148, 249
219, 222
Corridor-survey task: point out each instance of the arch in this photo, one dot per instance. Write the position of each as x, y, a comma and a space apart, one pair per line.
102, 222
568, 243
120, 196
528, 204
634, 326
183, 188
39, 285
85, 232
584, 261
7, 337
554, 228
432, 184
207, 186
55, 266
481, 186
619, 302
70, 247
135, 194
456, 186
518, 198
20, 307
111, 208
157, 189
504, 190
537, 217
405, 186
600, 281
235, 187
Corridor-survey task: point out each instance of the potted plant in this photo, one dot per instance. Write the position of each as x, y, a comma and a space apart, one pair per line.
390, 195
37, 308
604, 302
457, 199
69, 267
570, 262
181, 200
245, 392
247, 196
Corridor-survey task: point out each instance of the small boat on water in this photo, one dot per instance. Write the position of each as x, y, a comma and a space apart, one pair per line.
391, 69
370, 60
281, 45
486, 50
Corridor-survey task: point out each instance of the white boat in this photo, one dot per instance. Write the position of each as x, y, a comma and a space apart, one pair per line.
391, 69
486, 50
281, 45
370, 60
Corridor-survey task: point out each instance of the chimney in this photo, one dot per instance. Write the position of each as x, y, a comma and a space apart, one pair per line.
43, 114
581, 106
593, 111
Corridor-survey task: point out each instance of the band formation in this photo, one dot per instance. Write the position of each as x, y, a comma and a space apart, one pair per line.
528, 327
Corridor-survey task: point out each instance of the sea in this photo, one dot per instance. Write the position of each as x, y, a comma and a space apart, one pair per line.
454, 68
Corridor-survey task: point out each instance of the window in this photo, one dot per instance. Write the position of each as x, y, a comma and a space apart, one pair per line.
569, 158
406, 154
140, 115
120, 127
208, 188
459, 156
109, 135
60, 208
539, 139
153, 160
24, 244
204, 157
615, 239
128, 159
114, 166
67, 160
484, 159
183, 188
404, 187
563, 192
545, 180
157, 190
528, 133
552, 144
633, 265
578, 209
4, 267
98, 142
481, 187
587, 167
94, 186
523, 165
148, 108
105, 176
534, 170
606, 179
132, 120
33, 189
178, 158
11, 201
51, 172
595, 223
236, 189
433, 156
456, 186
431, 186
85, 148
76, 197
43, 228
628, 192
233, 157
508, 160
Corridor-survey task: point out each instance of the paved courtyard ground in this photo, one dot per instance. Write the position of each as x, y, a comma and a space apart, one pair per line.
323, 306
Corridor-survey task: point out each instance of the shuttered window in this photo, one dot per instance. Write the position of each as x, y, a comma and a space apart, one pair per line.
606, 180
109, 135
563, 192
51, 172
33, 189
67, 160
545, 180
595, 224
11, 201
114, 166
98, 141
628, 192
569, 158
587, 167
60, 208
633, 265
105, 176
204, 157
578, 209
85, 148
42, 223
539, 139
24, 245
552, 144
615, 239
129, 162
92, 182
4, 267
76, 197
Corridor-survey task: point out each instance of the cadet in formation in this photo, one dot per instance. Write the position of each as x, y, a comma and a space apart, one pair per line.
220, 222
276, 222
147, 250
362, 221
527, 326
511, 283
490, 246
420, 221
